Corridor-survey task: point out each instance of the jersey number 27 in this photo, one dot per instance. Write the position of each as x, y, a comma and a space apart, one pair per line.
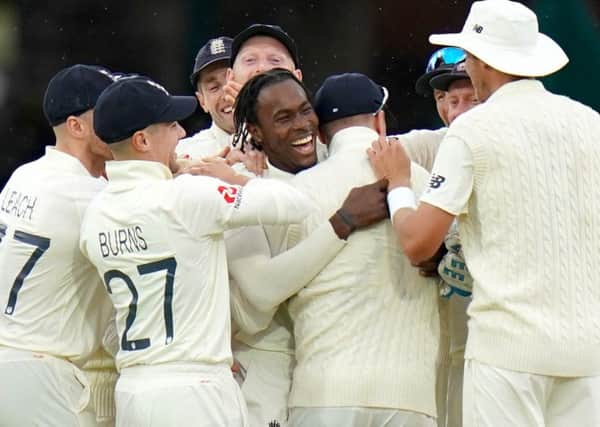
169, 265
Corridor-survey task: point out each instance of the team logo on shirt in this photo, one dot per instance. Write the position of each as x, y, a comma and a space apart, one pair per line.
436, 181
229, 193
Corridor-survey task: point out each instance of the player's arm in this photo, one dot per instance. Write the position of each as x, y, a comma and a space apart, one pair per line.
267, 281
421, 230
210, 206
247, 247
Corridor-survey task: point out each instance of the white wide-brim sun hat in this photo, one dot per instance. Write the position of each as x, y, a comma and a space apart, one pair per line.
505, 35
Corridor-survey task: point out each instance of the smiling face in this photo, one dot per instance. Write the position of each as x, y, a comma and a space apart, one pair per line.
287, 126
210, 95
162, 139
259, 54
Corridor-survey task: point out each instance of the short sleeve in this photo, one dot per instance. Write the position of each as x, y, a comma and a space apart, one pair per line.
451, 181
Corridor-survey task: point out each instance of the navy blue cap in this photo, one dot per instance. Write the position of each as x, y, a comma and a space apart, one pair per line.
134, 103
214, 50
350, 94
273, 31
441, 61
73, 91
443, 81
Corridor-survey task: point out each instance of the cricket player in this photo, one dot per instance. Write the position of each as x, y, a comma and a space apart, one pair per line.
208, 78
460, 98
517, 171
267, 278
366, 328
54, 308
422, 146
268, 356
157, 242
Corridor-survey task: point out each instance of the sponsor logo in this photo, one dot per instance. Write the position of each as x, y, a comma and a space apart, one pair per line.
229, 193
436, 181
478, 28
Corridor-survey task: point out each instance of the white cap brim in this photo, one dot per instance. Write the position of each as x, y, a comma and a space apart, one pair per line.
545, 58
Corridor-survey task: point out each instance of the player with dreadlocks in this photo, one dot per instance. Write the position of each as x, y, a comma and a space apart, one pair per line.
274, 113
303, 155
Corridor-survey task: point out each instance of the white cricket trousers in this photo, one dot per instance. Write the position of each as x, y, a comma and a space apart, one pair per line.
40, 390
266, 387
357, 417
500, 397
178, 394
458, 339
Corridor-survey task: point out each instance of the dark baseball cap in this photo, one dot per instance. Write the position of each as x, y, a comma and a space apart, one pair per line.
73, 91
273, 31
443, 81
214, 50
350, 94
440, 62
134, 103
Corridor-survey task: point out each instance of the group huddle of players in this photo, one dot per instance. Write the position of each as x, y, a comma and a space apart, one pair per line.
278, 268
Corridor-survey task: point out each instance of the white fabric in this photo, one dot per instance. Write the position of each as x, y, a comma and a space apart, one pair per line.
451, 181
170, 256
457, 315
443, 364
102, 375
504, 34
266, 387
400, 198
179, 395
40, 390
61, 307
530, 234
422, 145
347, 351
357, 417
263, 276
499, 397
206, 143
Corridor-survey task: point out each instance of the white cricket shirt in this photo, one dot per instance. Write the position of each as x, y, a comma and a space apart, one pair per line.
367, 326
158, 244
521, 170
51, 297
206, 143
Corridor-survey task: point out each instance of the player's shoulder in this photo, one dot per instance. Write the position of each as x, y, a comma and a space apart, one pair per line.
422, 134
201, 144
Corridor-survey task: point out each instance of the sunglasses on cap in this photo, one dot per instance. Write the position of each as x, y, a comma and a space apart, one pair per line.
445, 56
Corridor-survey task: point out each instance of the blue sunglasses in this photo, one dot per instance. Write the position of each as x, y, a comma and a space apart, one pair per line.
445, 56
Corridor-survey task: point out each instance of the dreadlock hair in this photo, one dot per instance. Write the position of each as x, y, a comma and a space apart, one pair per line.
247, 100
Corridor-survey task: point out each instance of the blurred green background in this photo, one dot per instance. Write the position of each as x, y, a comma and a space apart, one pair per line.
386, 39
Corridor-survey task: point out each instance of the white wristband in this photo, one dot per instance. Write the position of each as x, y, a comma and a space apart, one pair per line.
400, 198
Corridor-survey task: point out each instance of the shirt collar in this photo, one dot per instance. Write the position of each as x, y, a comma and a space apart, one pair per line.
127, 173
276, 173
352, 138
65, 161
517, 86
223, 138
